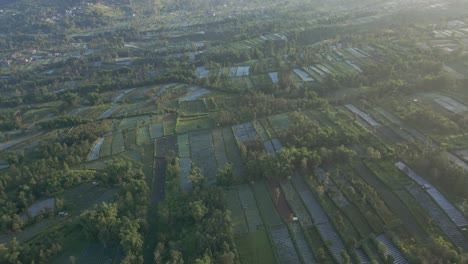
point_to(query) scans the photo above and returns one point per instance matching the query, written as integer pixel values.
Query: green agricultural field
(106, 148)
(191, 107)
(183, 145)
(266, 204)
(169, 127)
(118, 143)
(255, 248)
(187, 124)
(143, 135)
(279, 122)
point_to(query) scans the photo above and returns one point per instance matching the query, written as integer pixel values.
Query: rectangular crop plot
(255, 247)
(130, 139)
(303, 247)
(239, 223)
(97, 148)
(219, 148)
(143, 135)
(451, 104)
(296, 204)
(249, 205)
(438, 197)
(241, 133)
(166, 146)
(156, 130)
(283, 244)
(315, 209)
(232, 151)
(185, 167)
(118, 143)
(363, 115)
(251, 132)
(303, 75)
(392, 250)
(183, 145)
(243, 71)
(202, 154)
(279, 122)
(269, 212)
(260, 131)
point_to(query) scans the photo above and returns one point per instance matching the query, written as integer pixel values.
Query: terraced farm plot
(279, 200)
(249, 205)
(219, 148)
(130, 122)
(130, 138)
(232, 151)
(303, 75)
(239, 223)
(451, 104)
(106, 149)
(274, 77)
(392, 250)
(438, 197)
(260, 131)
(194, 94)
(156, 130)
(302, 246)
(202, 154)
(363, 115)
(143, 135)
(188, 124)
(183, 145)
(240, 133)
(267, 208)
(157, 189)
(190, 107)
(255, 247)
(283, 244)
(442, 220)
(118, 143)
(169, 127)
(185, 168)
(166, 146)
(94, 155)
(324, 227)
(296, 204)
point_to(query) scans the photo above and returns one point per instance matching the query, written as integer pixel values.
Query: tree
(346, 259)
(101, 223)
(198, 210)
